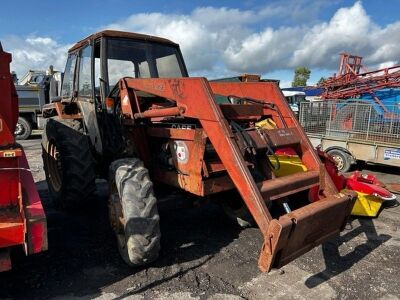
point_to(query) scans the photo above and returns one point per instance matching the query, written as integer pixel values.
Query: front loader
(129, 112)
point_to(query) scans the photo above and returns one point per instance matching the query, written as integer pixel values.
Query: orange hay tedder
(22, 219)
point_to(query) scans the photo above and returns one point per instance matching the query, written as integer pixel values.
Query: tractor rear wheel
(133, 212)
(68, 163)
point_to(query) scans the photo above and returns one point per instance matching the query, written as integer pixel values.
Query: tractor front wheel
(133, 212)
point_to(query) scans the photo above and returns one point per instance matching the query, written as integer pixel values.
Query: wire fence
(351, 120)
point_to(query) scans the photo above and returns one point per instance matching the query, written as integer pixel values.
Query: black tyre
(23, 129)
(133, 212)
(342, 159)
(68, 163)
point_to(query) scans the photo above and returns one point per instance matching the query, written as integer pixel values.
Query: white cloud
(34, 53)
(386, 64)
(220, 41)
(211, 37)
(348, 30)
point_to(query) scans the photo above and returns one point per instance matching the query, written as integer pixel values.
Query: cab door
(86, 95)
(68, 87)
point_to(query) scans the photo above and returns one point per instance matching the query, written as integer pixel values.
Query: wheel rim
(339, 162)
(19, 129)
(54, 166)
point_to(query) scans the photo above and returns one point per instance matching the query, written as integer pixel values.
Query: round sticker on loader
(182, 152)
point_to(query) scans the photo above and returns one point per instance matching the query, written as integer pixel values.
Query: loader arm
(293, 233)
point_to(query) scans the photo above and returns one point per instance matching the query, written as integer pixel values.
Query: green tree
(301, 75)
(321, 81)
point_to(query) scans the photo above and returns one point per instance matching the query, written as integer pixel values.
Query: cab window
(67, 88)
(85, 73)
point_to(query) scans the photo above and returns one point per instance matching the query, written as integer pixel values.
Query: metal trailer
(353, 130)
(34, 90)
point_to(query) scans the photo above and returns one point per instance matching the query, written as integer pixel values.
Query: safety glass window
(67, 88)
(85, 73)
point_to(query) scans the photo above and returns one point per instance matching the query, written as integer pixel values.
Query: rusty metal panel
(120, 34)
(216, 127)
(282, 137)
(217, 185)
(214, 166)
(305, 228)
(242, 111)
(284, 186)
(171, 133)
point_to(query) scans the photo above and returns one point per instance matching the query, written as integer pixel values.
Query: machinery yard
(170, 159)
(204, 255)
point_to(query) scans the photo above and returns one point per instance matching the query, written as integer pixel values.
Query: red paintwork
(9, 101)
(351, 82)
(22, 218)
(363, 183)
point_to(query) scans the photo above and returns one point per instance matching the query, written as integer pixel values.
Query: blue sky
(218, 38)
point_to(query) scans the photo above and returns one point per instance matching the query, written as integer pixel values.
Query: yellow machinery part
(366, 205)
(288, 164)
(266, 124)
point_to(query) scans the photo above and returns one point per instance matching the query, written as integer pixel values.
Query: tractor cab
(96, 63)
(108, 56)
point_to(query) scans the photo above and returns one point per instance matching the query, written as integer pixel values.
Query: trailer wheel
(23, 130)
(133, 212)
(342, 159)
(68, 163)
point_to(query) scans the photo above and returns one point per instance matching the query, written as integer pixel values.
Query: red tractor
(22, 218)
(128, 112)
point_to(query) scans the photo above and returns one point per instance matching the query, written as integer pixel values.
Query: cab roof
(121, 34)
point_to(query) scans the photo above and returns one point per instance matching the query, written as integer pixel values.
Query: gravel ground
(204, 256)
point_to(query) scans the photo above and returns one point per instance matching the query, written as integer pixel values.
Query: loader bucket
(301, 230)
(201, 127)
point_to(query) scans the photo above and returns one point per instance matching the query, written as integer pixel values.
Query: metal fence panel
(351, 120)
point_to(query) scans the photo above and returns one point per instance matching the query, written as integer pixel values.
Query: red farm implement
(22, 219)
(353, 80)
